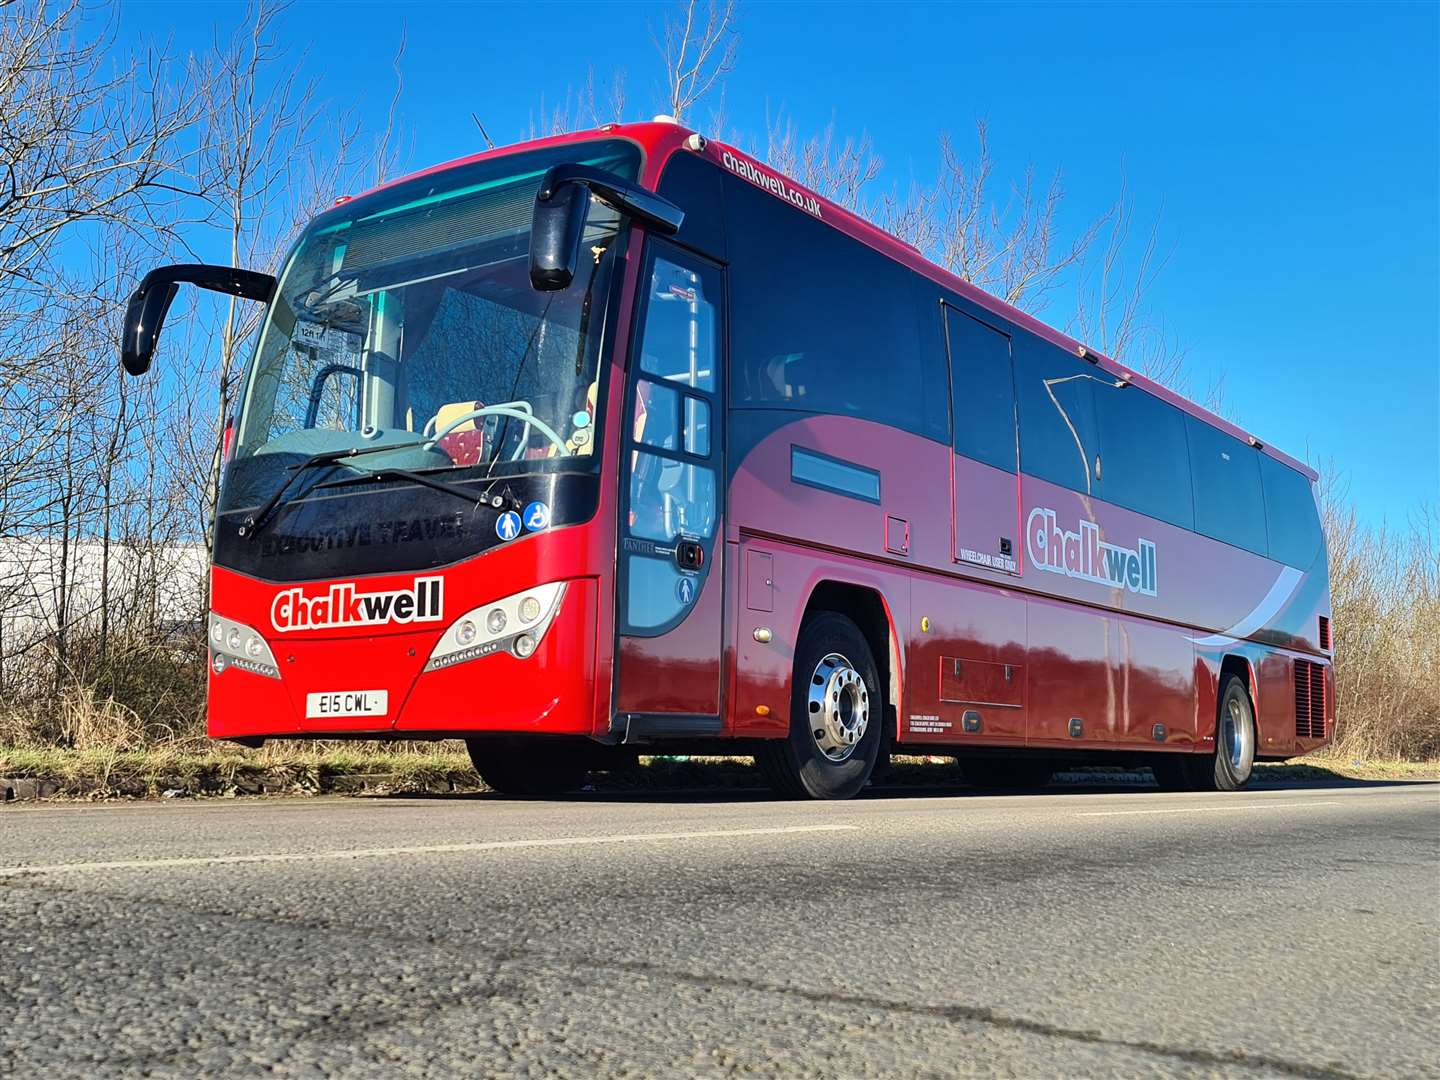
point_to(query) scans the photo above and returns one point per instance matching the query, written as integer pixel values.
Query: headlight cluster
(516, 623)
(234, 644)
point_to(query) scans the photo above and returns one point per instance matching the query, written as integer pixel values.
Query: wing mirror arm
(561, 206)
(150, 303)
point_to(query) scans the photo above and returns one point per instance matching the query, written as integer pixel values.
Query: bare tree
(1010, 246)
(386, 156)
(83, 142)
(842, 170)
(698, 48)
(270, 163)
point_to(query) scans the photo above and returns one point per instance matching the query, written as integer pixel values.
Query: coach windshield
(408, 318)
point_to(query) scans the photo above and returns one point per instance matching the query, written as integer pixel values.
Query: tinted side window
(1290, 514)
(1058, 438)
(1144, 456)
(1229, 504)
(693, 184)
(984, 390)
(822, 324)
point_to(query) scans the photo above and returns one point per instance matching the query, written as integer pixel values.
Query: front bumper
(553, 691)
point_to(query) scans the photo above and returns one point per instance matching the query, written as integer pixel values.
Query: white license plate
(347, 703)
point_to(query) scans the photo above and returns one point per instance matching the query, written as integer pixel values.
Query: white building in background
(164, 583)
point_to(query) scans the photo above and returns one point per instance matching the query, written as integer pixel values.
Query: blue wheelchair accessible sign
(537, 516)
(507, 525)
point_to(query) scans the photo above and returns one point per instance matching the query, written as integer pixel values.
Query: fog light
(524, 646)
(495, 621)
(254, 646)
(529, 609)
(218, 663)
(232, 640)
(465, 632)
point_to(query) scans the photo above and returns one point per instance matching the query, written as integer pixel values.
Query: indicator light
(529, 609)
(217, 632)
(762, 710)
(466, 631)
(495, 621)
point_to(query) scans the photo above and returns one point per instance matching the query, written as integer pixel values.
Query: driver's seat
(466, 444)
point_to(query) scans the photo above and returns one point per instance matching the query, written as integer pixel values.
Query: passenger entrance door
(987, 494)
(670, 604)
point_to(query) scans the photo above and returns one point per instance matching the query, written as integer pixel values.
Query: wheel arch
(868, 609)
(1244, 667)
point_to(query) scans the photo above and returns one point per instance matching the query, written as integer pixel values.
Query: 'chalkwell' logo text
(1085, 556)
(345, 605)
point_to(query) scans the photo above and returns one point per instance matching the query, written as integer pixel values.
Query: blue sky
(1292, 153)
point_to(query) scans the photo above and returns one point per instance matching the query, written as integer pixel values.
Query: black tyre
(837, 713)
(1229, 768)
(1234, 738)
(530, 767)
(1006, 774)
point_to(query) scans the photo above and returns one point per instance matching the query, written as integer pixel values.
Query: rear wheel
(1234, 737)
(531, 767)
(1002, 774)
(836, 715)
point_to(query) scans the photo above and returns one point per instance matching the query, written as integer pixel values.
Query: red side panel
(678, 672)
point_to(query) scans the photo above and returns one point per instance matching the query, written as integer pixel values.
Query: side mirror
(144, 316)
(149, 304)
(562, 204)
(556, 231)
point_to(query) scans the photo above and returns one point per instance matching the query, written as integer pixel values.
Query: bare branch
(697, 55)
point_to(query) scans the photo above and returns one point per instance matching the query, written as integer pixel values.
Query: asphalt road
(1279, 933)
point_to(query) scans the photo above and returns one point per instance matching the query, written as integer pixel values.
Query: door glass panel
(673, 490)
(670, 498)
(697, 427)
(679, 341)
(658, 592)
(657, 415)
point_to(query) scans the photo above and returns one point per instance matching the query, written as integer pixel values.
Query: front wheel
(836, 715)
(537, 768)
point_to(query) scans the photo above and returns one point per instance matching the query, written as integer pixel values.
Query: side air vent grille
(1324, 633)
(1309, 700)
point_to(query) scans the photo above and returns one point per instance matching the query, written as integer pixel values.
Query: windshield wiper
(254, 522)
(382, 475)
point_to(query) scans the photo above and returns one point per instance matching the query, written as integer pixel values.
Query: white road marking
(422, 849)
(1206, 809)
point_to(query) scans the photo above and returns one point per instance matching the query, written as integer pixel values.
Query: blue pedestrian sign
(507, 525)
(537, 516)
(685, 591)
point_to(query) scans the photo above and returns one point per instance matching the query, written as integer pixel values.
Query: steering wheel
(529, 419)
